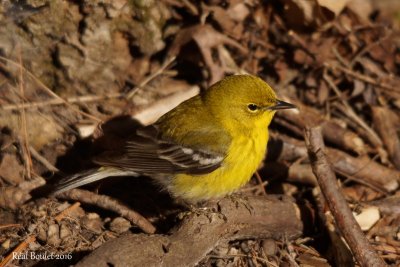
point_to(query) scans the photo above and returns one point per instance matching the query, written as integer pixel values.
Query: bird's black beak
(281, 105)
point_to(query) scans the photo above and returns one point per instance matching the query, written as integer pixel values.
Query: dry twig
(385, 125)
(42, 160)
(49, 91)
(10, 225)
(58, 101)
(363, 251)
(149, 78)
(67, 211)
(23, 245)
(363, 78)
(24, 133)
(108, 203)
(361, 169)
(332, 131)
(373, 138)
(260, 183)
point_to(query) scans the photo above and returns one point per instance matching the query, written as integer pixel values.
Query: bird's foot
(207, 209)
(239, 199)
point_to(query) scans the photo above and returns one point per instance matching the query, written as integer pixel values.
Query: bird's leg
(207, 208)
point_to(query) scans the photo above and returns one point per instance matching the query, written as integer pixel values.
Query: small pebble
(93, 223)
(120, 225)
(53, 235)
(65, 231)
(6, 244)
(269, 247)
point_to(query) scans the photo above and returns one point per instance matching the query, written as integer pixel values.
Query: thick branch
(267, 217)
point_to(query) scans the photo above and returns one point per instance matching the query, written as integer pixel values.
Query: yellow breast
(244, 156)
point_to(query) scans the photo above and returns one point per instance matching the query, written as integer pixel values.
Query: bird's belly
(242, 161)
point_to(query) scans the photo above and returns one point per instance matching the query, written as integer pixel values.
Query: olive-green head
(243, 100)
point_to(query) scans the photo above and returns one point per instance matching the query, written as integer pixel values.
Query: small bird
(207, 147)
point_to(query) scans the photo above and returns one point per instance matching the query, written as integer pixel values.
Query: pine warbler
(205, 148)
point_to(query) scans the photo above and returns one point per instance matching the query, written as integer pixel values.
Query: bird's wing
(148, 153)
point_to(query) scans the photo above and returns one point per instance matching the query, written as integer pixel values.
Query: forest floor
(77, 76)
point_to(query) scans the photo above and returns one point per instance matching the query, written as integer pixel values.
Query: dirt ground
(77, 77)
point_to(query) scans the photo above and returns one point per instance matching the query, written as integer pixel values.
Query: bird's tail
(88, 177)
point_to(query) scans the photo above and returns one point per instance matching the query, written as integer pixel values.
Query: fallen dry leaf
(11, 169)
(206, 38)
(305, 13)
(367, 218)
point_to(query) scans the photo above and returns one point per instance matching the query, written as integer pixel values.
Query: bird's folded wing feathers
(148, 153)
(87, 177)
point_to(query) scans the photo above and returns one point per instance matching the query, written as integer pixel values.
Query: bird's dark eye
(252, 107)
